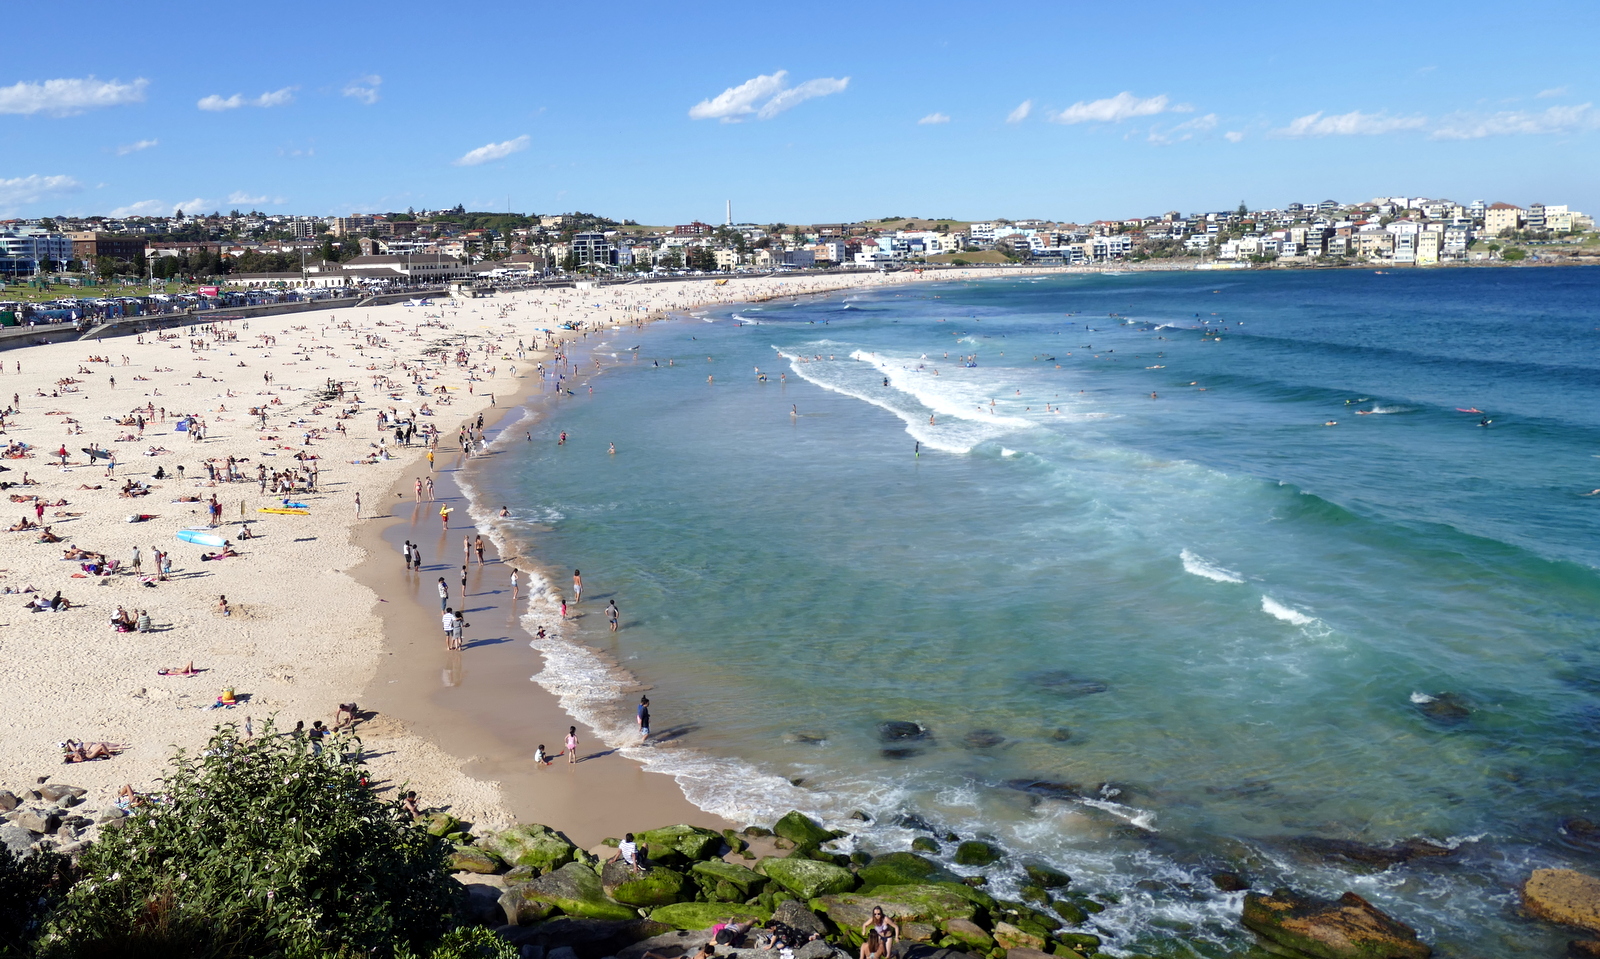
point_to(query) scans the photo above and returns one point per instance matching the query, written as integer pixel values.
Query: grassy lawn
(21, 292)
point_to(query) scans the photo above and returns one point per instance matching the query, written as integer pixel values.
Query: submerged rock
(982, 739)
(1292, 924)
(901, 731)
(1064, 684)
(1045, 788)
(1563, 896)
(1229, 882)
(1349, 852)
(1445, 709)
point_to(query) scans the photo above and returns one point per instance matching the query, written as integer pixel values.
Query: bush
(471, 942)
(1513, 254)
(259, 848)
(29, 889)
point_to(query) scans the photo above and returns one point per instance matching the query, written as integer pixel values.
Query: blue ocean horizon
(1178, 573)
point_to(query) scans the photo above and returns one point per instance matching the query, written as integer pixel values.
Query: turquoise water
(1211, 623)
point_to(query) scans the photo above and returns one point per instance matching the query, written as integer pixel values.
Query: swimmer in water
(1331, 423)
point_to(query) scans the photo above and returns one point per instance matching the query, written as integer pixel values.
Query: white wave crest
(1276, 609)
(1199, 566)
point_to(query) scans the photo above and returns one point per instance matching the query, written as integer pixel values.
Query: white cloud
(241, 198)
(1021, 112)
(65, 98)
(1354, 123)
(142, 208)
(275, 98)
(1185, 130)
(364, 88)
(196, 206)
(1552, 92)
(128, 148)
(793, 97)
(1233, 136)
(1115, 109)
(33, 188)
(493, 151)
(933, 118)
(770, 91)
(1515, 122)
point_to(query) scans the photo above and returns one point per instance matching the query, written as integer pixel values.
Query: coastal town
(240, 251)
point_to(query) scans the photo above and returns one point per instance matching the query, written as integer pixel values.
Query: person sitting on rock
(628, 852)
(873, 947)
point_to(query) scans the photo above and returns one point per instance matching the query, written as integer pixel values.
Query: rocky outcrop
(902, 869)
(1563, 896)
(919, 910)
(1295, 925)
(797, 917)
(474, 860)
(679, 845)
(974, 852)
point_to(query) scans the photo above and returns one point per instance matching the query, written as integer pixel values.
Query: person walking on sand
(563, 608)
(577, 587)
(572, 744)
(419, 489)
(448, 620)
(611, 615)
(477, 545)
(642, 714)
(430, 461)
(444, 593)
(358, 504)
(463, 580)
(513, 584)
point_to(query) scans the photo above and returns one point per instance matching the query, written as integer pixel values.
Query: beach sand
(321, 610)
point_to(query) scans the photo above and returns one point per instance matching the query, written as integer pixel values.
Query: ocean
(1177, 572)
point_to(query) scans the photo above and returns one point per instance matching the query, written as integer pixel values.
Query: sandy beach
(319, 607)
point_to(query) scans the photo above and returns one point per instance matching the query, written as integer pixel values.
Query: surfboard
(200, 537)
(287, 512)
(288, 505)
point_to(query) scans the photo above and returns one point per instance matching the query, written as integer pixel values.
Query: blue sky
(799, 113)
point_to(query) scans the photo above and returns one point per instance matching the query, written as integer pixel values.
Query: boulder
(1583, 949)
(1026, 953)
(440, 823)
(797, 917)
(1070, 911)
(475, 860)
(1347, 928)
(925, 844)
(1011, 937)
(1046, 877)
(1229, 882)
(969, 935)
(735, 844)
(982, 739)
(1445, 709)
(1080, 942)
(902, 869)
(1563, 896)
(902, 731)
(655, 886)
(483, 905)
(539, 847)
(576, 891)
(1364, 856)
(520, 910)
(42, 819)
(975, 852)
(704, 915)
(680, 942)
(808, 878)
(61, 793)
(8, 800)
(726, 881)
(16, 839)
(690, 842)
(801, 830)
(111, 814)
(818, 949)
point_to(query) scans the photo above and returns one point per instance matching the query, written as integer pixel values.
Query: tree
(105, 266)
(1243, 210)
(259, 847)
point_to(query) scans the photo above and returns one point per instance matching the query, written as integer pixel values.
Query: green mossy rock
(734, 842)
(1080, 942)
(691, 842)
(925, 844)
(1070, 911)
(1046, 877)
(1035, 894)
(522, 911)
(902, 869)
(656, 886)
(538, 847)
(801, 830)
(757, 832)
(704, 915)
(935, 905)
(1012, 937)
(440, 823)
(975, 852)
(969, 936)
(472, 859)
(1349, 927)
(576, 891)
(807, 878)
(727, 882)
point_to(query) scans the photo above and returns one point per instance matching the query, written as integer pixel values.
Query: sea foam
(1276, 609)
(1199, 566)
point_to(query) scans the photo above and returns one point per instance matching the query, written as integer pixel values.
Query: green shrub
(29, 889)
(259, 848)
